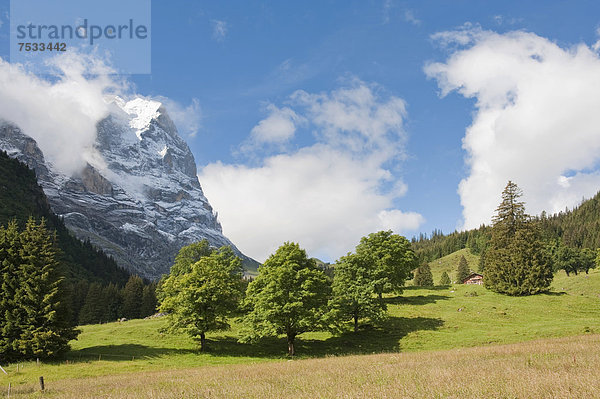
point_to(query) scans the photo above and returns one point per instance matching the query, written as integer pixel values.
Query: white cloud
(188, 119)
(278, 127)
(325, 195)
(409, 16)
(61, 115)
(220, 29)
(536, 122)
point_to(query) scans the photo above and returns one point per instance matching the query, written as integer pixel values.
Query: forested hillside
(22, 197)
(576, 228)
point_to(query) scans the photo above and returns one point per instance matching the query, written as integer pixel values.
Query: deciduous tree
(391, 258)
(354, 297)
(201, 300)
(289, 296)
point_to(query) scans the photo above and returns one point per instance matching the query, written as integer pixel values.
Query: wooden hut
(473, 278)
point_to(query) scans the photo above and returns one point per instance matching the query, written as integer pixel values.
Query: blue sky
(227, 66)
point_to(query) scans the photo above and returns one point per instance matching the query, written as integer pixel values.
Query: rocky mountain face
(138, 197)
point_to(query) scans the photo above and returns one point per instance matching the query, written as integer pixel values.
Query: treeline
(95, 303)
(291, 295)
(578, 228)
(437, 245)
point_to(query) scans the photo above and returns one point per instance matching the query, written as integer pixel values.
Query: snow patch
(142, 111)
(163, 152)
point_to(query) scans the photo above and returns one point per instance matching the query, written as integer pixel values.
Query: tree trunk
(380, 295)
(291, 351)
(355, 323)
(202, 342)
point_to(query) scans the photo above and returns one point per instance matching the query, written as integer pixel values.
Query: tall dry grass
(551, 368)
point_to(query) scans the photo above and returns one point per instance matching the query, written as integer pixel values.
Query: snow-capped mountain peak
(139, 198)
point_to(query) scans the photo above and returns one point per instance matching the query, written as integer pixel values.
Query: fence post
(42, 383)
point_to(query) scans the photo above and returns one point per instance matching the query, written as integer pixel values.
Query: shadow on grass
(554, 293)
(123, 352)
(369, 339)
(434, 288)
(415, 300)
(383, 338)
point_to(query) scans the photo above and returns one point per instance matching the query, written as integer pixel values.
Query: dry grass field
(551, 368)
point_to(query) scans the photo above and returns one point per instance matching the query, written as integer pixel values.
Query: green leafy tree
(516, 260)
(132, 294)
(41, 311)
(391, 257)
(423, 276)
(463, 271)
(289, 296)
(202, 299)
(445, 279)
(189, 255)
(354, 295)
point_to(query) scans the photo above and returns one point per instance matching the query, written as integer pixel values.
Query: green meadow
(440, 318)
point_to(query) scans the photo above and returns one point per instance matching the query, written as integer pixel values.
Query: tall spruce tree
(423, 276)
(463, 271)
(41, 306)
(445, 279)
(93, 310)
(10, 261)
(132, 294)
(516, 260)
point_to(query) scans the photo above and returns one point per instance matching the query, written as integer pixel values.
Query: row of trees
(291, 294)
(98, 303)
(34, 310)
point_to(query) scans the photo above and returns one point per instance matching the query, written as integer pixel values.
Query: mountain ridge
(138, 197)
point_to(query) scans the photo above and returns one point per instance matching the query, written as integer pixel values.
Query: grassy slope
(449, 264)
(422, 319)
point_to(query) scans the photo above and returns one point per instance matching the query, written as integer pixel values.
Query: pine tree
(516, 260)
(445, 279)
(149, 302)
(41, 307)
(463, 271)
(93, 310)
(10, 328)
(113, 303)
(423, 276)
(132, 294)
